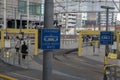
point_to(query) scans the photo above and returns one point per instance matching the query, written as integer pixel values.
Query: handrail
(5, 77)
(16, 58)
(110, 65)
(27, 55)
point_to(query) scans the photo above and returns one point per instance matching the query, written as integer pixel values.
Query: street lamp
(107, 14)
(107, 46)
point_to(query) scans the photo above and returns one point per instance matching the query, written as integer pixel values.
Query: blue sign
(50, 39)
(106, 38)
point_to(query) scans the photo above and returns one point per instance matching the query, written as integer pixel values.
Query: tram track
(82, 68)
(65, 67)
(75, 67)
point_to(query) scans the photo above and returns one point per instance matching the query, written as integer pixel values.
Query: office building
(18, 10)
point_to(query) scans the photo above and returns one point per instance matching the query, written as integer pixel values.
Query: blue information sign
(50, 39)
(106, 38)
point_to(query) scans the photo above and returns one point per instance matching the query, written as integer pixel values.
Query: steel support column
(47, 55)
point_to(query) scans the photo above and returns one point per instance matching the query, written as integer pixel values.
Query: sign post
(106, 44)
(47, 55)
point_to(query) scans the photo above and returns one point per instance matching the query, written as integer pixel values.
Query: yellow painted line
(23, 76)
(7, 77)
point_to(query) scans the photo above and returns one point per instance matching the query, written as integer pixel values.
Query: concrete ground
(65, 66)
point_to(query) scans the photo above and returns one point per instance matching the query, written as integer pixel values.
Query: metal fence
(11, 57)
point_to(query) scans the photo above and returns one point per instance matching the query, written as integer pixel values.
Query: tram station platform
(66, 66)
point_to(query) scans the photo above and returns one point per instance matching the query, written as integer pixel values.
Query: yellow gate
(29, 34)
(118, 43)
(85, 32)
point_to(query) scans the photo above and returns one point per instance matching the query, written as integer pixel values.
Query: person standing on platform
(17, 46)
(24, 51)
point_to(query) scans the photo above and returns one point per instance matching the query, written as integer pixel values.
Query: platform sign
(106, 38)
(50, 39)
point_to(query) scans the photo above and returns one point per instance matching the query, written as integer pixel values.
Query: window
(35, 8)
(22, 6)
(42, 9)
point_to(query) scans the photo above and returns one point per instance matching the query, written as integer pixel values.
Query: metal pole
(5, 15)
(15, 19)
(106, 46)
(99, 23)
(40, 16)
(107, 17)
(47, 55)
(115, 30)
(66, 14)
(19, 55)
(40, 21)
(115, 24)
(79, 14)
(56, 20)
(115, 27)
(112, 22)
(20, 22)
(66, 20)
(27, 14)
(5, 18)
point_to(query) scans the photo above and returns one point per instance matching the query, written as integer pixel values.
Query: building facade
(18, 10)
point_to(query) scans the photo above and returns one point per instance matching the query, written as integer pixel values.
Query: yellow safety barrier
(118, 43)
(110, 65)
(95, 43)
(85, 32)
(107, 69)
(7, 77)
(105, 60)
(17, 32)
(118, 69)
(7, 54)
(0, 45)
(112, 56)
(27, 55)
(90, 32)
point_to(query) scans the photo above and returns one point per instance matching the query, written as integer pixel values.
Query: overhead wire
(116, 5)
